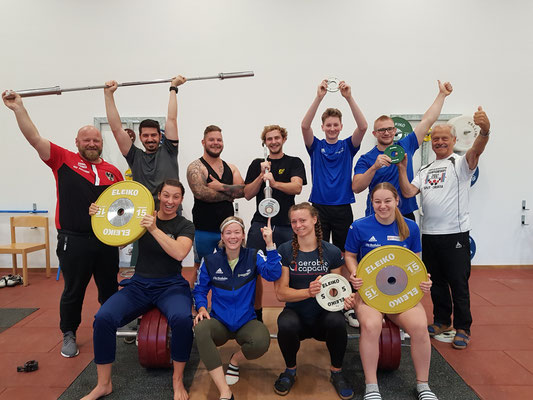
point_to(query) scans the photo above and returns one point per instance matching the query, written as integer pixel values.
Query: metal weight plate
(395, 152)
(391, 279)
(333, 84)
(121, 208)
(334, 289)
(472, 247)
(153, 340)
(403, 128)
(475, 177)
(268, 207)
(390, 346)
(445, 337)
(466, 132)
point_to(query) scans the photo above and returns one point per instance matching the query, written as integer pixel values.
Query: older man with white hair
(444, 186)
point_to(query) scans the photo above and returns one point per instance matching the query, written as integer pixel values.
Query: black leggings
(328, 326)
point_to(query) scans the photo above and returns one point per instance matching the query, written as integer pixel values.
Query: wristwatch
(173, 88)
(484, 135)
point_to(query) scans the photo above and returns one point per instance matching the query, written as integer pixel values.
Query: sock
(422, 386)
(232, 374)
(371, 387)
(259, 314)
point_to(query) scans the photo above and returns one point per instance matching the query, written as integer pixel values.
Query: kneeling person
(157, 283)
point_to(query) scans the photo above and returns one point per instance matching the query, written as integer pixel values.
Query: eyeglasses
(390, 129)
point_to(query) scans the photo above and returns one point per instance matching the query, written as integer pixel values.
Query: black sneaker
(344, 391)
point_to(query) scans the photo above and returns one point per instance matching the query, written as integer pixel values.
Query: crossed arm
(209, 192)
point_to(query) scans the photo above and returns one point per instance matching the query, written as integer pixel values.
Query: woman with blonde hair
(230, 274)
(385, 227)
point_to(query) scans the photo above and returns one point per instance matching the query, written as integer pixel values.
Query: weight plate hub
(268, 207)
(403, 128)
(121, 208)
(466, 132)
(333, 84)
(335, 288)
(391, 279)
(395, 152)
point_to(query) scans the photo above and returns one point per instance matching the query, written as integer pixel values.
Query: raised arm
(407, 188)
(472, 155)
(176, 248)
(270, 266)
(307, 131)
(433, 112)
(26, 125)
(198, 184)
(171, 126)
(113, 118)
(362, 125)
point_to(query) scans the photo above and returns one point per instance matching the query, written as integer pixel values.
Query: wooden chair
(15, 248)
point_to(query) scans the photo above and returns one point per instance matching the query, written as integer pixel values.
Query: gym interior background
(390, 52)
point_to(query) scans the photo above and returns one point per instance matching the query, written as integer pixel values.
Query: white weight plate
(335, 288)
(466, 132)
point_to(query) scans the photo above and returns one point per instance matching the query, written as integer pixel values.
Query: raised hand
(481, 119)
(445, 88)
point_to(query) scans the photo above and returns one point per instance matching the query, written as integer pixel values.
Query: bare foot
(99, 391)
(179, 391)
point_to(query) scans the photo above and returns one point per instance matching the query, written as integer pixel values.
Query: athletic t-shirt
(367, 234)
(78, 184)
(305, 269)
(331, 170)
(150, 169)
(444, 187)
(153, 261)
(283, 169)
(389, 174)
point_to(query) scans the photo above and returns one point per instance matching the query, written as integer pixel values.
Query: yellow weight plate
(391, 279)
(121, 208)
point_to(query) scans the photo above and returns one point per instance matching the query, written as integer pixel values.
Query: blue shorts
(205, 243)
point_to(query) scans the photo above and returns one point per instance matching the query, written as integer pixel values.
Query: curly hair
(318, 231)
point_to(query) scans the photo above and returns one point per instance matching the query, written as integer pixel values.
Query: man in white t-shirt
(444, 187)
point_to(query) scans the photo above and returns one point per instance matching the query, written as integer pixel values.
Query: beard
(90, 154)
(212, 154)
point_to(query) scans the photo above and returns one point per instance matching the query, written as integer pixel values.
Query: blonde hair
(270, 128)
(403, 229)
(231, 219)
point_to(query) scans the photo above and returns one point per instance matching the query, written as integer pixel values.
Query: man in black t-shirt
(286, 175)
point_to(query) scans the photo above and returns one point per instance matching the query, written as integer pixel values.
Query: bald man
(80, 178)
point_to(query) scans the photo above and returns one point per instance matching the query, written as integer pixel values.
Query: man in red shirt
(80, 178)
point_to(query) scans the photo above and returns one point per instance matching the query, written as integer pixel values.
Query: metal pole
(57, 90)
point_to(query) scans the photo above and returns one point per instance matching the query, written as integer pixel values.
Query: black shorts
(335, 221)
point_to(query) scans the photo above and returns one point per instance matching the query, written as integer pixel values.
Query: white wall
(391, 52)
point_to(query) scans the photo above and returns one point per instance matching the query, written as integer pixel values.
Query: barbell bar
(57, 90)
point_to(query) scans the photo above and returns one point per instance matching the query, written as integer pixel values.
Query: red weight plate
(396, 345)
(148, 345)
(385, 355)
(163, 344)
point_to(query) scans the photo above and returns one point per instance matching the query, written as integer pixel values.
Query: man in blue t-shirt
(331, 164)
(375, 167)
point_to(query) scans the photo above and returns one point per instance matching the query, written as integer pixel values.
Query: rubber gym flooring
(498, 363)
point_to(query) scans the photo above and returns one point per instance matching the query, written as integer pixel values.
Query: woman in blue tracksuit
(231, 274)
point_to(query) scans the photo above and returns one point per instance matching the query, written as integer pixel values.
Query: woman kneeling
(231, 275)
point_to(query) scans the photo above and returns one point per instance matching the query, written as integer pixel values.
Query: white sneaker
(351, 318)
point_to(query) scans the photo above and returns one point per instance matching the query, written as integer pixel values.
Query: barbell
(57, 90)
(153, 342)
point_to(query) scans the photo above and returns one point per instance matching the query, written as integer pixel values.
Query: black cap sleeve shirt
(153, 261)
(304, 270)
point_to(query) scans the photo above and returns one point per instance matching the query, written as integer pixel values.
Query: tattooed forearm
(235, 191)
(198, 184)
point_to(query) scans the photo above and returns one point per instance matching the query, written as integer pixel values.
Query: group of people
(291, 249)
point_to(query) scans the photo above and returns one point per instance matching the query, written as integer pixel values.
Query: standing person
(386, 227)
(157, 282)
(286, 176)
(305, 259)
(230, 275)
(375, 167)
(444, 186)
(80, 178)
(214, 184)
(331, 164)
(157, 162)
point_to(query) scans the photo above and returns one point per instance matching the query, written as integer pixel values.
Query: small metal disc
(333, 84)
(335, 288)
(395, 152)
(268, 207)
(391, 280)
(120, 212)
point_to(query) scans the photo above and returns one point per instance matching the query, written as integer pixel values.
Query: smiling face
(332, 128)
(89, 143)
(213, 143)
(150, 138)
(274, 141)
(384, 131)
(384, 203)
(170, 198)
(232, 236)
(442, 141)
(303, 223)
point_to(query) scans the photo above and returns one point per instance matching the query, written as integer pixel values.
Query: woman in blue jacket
(231, 274)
